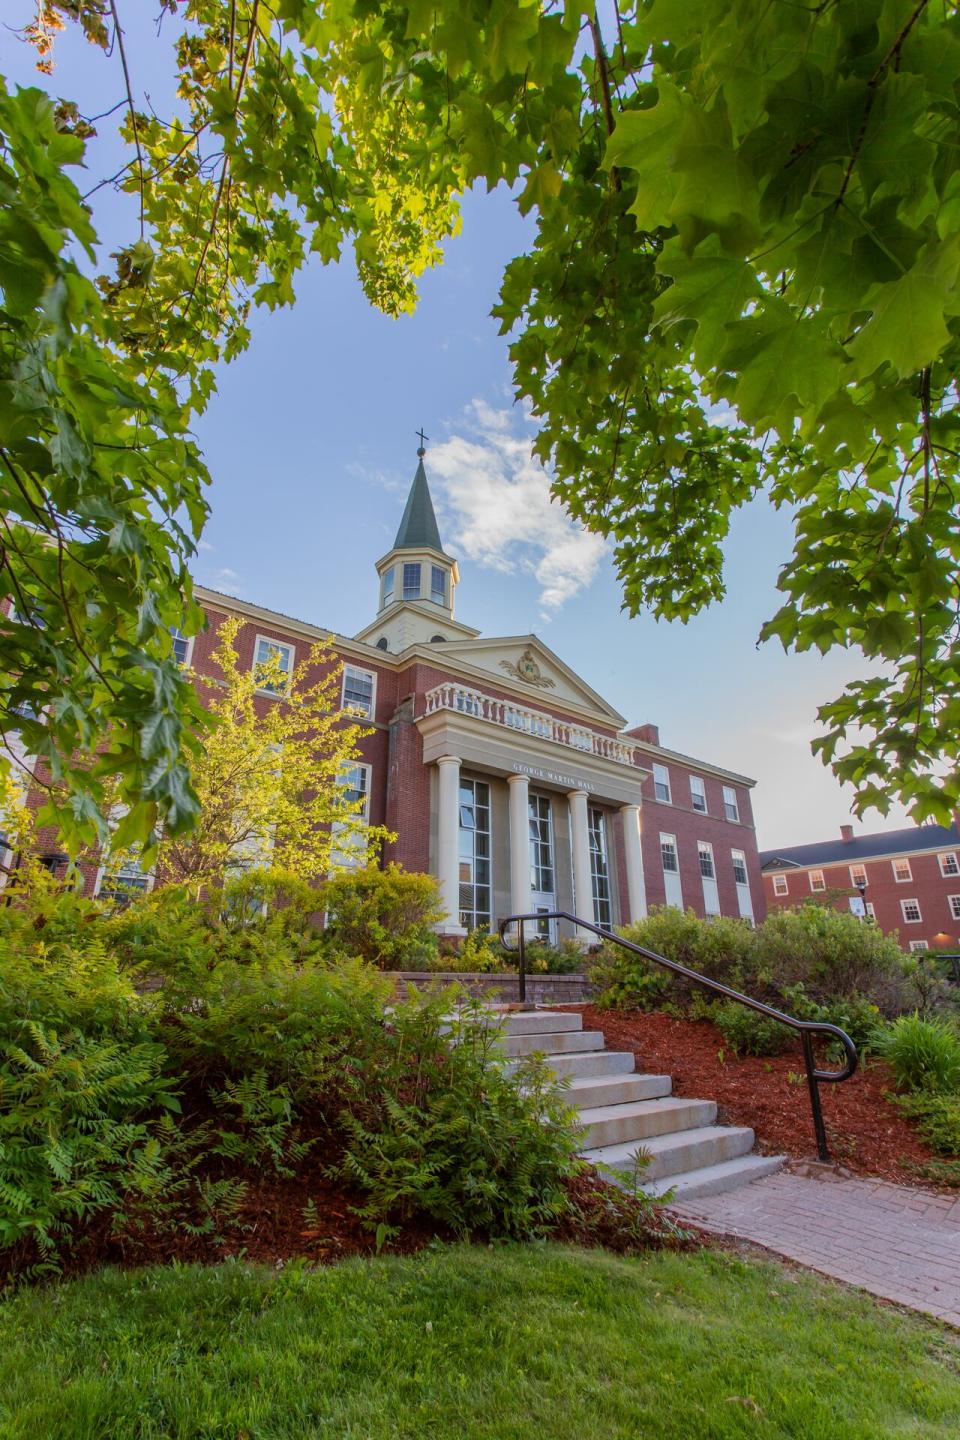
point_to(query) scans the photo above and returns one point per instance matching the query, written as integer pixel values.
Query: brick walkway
(897, 1242)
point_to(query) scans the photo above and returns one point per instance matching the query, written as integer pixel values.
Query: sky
(312, 447)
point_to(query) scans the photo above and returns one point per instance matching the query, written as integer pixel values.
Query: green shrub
(749, 1033)
(479, 953)
(566, 957)
(437, 1129)
(937, 1118)
(923, 1054)
(834, 954)
(385, 917)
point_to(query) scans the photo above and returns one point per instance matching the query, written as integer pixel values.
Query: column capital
(449, 760)
(511, 779)
(626, 809)
(571, 794)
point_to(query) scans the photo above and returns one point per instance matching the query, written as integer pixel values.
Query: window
(411, 582)
(265, 653)
(730, 808)
(740, 868)
(668, 854)
(474, 855)
(871, 913)
(954, 906)
(780, 886)
(182, 646)
(438, 585)
(698, 794)
(350, 849)
(858, 874)
(816, 880)
(389, 586)
(600, 870)
(902, 872)
(911, 911)
(359, 689)
(661, 783)
(919, 945)
(705, 852)
(541, 846)
(948, 864)
(122, 877)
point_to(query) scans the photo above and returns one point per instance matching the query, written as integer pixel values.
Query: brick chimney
(846, 832)
(649, 734)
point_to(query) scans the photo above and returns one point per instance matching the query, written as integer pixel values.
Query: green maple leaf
(907, 329)
(711, 290)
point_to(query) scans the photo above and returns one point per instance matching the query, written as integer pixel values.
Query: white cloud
(498, 511)
(227, 581)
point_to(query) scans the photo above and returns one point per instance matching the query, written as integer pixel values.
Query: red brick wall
(937, 925)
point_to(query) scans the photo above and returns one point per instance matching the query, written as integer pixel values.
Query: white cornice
(697, 766)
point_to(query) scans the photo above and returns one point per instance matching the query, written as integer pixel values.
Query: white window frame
(781, 886)
(343, 856)
(696, 795)
(911, 919)
(730, 802)
(902, 879)
(954, 902)
(386, 599)
(411, 565)
(871, 911)
(949, 855)
(177, 633)
(103, 870)
(672, 839)
(816, 889)
(276, 645)
(919, 944)
(856, 870)
(705, 850)
(742, 856)
(439, 570)
(371, 675)
(661, 776)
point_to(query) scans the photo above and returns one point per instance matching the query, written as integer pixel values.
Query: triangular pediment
(524, 664)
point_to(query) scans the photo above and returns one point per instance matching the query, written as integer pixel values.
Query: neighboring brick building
(911, 879)
(500, 770)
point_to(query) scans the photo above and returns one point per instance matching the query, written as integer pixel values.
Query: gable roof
(418, 524)
(484, 657)
(914, 839)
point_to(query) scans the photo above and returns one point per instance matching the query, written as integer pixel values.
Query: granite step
(677, 1153)
(538, 1022)
(554, 1042)
(590, 1062)
(716, 1179)
(591, 1090)
(610, 1125)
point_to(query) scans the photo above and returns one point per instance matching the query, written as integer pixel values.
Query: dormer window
(389, 583)
(438, 585)
(411, 582)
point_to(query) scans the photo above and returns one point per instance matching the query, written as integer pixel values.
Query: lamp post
(862, 887)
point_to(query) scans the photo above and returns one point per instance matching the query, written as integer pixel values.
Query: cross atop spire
(423, 440)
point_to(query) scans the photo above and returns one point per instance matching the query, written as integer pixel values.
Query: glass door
(542, 870)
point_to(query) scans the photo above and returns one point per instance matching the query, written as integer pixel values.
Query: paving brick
(896, 1242)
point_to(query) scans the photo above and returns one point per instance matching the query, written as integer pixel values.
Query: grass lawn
(510, 1343)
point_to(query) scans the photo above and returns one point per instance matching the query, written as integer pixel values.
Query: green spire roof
(419, 524)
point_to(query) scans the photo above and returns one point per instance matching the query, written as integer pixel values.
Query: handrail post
(522, 970)
(818, 1126)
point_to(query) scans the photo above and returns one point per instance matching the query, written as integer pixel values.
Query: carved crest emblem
(527, 670)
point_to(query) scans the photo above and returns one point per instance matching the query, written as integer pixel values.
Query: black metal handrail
(806, 1028)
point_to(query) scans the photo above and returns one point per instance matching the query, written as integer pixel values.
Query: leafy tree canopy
(744, 279)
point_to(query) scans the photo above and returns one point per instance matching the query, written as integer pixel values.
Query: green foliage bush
(814, 963)
(937, 1117)
(151, 1062)
(749, 1033)
(385, 917)
(478, 953)
(924, 1055)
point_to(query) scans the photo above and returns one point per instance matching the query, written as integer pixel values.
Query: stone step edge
(715, 1179)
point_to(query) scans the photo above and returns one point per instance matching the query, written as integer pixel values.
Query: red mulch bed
(866, 1133)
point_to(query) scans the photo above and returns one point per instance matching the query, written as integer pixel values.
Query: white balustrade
(465, 701)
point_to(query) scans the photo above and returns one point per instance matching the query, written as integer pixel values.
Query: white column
(580, 847)
(448, 838)
(520, 901)
(636, 889)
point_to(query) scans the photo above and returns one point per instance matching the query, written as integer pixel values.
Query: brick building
(908, 880)
(501, 771)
